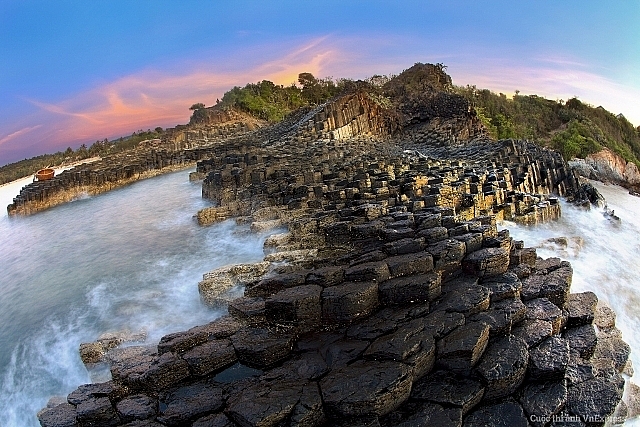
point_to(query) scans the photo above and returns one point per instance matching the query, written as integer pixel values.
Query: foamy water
(604, 255)
(129, 259)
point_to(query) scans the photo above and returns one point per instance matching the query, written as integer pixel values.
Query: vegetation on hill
(573, 128)
(102, 148)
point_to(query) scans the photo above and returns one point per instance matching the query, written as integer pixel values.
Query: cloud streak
(18, 133)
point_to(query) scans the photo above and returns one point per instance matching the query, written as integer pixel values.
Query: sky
(73, 72)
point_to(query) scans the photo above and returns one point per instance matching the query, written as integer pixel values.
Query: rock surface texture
(393, 300)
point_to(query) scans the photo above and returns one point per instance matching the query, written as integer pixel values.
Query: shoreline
(58, 169)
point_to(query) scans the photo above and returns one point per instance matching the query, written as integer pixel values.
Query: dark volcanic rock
(410, 289)
(550, 359)
(487, 262)
(581, 308)
(264, 403)
(502, 286)
(507, 414)
(447, 253)
(594, 400)
(462, 348)
(578, 369)
(554, 286)
(248, 309)
(404, 265)
(541, 401)
(441, 323)
(136, 407)
(179, 342)
(261, 347)
(448, 389)
(326, 276)
(210, 357)
(298, 307)
(368, 272)
(543, 309)
(214, 420)
(582, 339)
(167, 371)
(98, 412)
(342, 352)
(349, 301)
(503, 366)
(365, 388)
(501, 316)
(464, 297)
(424, 414)
(533, 331)
(189, 403)
(63, 415)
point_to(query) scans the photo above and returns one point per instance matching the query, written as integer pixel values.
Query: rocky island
(390, 299)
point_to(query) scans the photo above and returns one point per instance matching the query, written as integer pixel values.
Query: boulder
(505, 414)
(368, 272)
(298, 307)
(543, 309)
(582, 339)
(550, 359)
(137, 407)
(542, 401)
(63, 415)
(533, 331)
(405, 265)
(595, 399)
(581, 308)
(188, 403)
(248, 309)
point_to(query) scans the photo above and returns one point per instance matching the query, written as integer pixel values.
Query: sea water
(127, 260)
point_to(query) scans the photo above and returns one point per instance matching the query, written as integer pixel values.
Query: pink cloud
(18, 133)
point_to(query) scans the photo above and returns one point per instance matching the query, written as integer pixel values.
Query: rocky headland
(388, 296)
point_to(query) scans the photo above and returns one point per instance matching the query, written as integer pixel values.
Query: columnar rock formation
(392, 300)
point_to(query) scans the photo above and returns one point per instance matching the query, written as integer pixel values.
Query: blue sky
(72, 72)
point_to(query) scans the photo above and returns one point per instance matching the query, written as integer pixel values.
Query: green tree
(197, 106)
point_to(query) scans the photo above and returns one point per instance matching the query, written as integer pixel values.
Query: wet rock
(434, 234)
(63, 415)
(349, 301)
(613, 349)
(222, 279)
(372, 327)
(507, 414)
(487, 262)
(404, 246)
(543, 309)
(502, 286)
(501, 316)
(180, 342)
(582, 339)
(411, 344)
(441, 324)
(263, 403)
(410, 289)
(447, 253)
(472, 241)
(462, 348)
(367, 272)
(541, 401)
(554, 286)
(533, 332)
(424, 414)
(604, 317)
(594, 400)
(261, 347)
(503, 366)
(448, 389)
(189, 403)
(523, 256)
(326, 276)
(581, 308)
(91, 391)
(578, 370)
(298, 307)
(248, 309)
(130, 364)
(270, 285)
(365, 388)
(464, 296)
(143, 423)
(210, 357)
(309, 411)
(214, 420)
(136, 407)
(98, 412)
(342, 352)
(166, 371)
(404, 265)
(550, 359)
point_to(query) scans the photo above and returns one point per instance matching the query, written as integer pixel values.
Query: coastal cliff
(392, 299)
